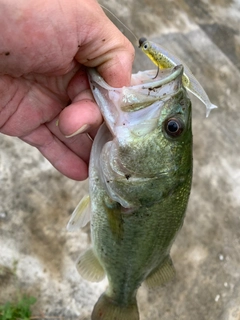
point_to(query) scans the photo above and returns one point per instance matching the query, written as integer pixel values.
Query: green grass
(20, 307)
(17, 311)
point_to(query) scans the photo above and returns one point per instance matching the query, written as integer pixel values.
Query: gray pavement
(38, 256)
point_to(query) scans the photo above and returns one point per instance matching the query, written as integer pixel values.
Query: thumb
(104, 47)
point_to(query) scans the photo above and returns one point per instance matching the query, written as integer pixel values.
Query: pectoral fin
(162, 274)
(89, 267)
(81, 215)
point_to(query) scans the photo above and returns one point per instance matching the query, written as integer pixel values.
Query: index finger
(104, 47)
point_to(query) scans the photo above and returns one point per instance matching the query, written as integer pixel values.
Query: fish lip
(176, 72)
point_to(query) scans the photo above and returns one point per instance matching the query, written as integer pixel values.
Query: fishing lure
(164, 59)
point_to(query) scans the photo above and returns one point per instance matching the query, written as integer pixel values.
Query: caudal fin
(107, 309)
(210, 106)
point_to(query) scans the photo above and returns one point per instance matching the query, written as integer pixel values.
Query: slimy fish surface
(139, 184)
(164, 59)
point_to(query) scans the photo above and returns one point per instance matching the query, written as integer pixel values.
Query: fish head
(149, 127)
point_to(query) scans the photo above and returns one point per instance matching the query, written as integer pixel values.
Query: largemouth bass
(164, 59)
(140, 180)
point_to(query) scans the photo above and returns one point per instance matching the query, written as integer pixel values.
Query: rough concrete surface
(37, 254)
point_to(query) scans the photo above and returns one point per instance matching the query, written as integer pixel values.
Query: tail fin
(107, 309)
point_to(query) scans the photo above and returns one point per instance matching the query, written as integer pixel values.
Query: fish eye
(174, 127)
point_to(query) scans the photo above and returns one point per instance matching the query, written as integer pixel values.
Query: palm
(44, 46)
(32, 105)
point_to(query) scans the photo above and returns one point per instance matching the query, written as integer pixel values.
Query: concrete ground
(37, 254)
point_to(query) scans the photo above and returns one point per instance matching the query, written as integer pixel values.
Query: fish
(140, 176)
(164, 59)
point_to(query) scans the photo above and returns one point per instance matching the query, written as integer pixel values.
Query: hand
(45, 49)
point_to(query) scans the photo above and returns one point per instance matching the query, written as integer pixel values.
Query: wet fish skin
(139, 190)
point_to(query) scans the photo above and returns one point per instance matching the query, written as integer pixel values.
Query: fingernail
(80, 130)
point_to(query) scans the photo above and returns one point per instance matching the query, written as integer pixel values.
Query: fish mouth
(146, 93)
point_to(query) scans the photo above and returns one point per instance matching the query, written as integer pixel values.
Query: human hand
(45, 49)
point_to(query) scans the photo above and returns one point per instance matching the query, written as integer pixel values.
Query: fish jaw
(127, 109)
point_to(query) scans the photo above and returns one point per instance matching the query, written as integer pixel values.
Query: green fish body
(140, 180)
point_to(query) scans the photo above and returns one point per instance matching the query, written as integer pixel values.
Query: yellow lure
(164, 59)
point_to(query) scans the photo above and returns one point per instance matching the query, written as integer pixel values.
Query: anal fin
(89, 267)
(162, 274)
